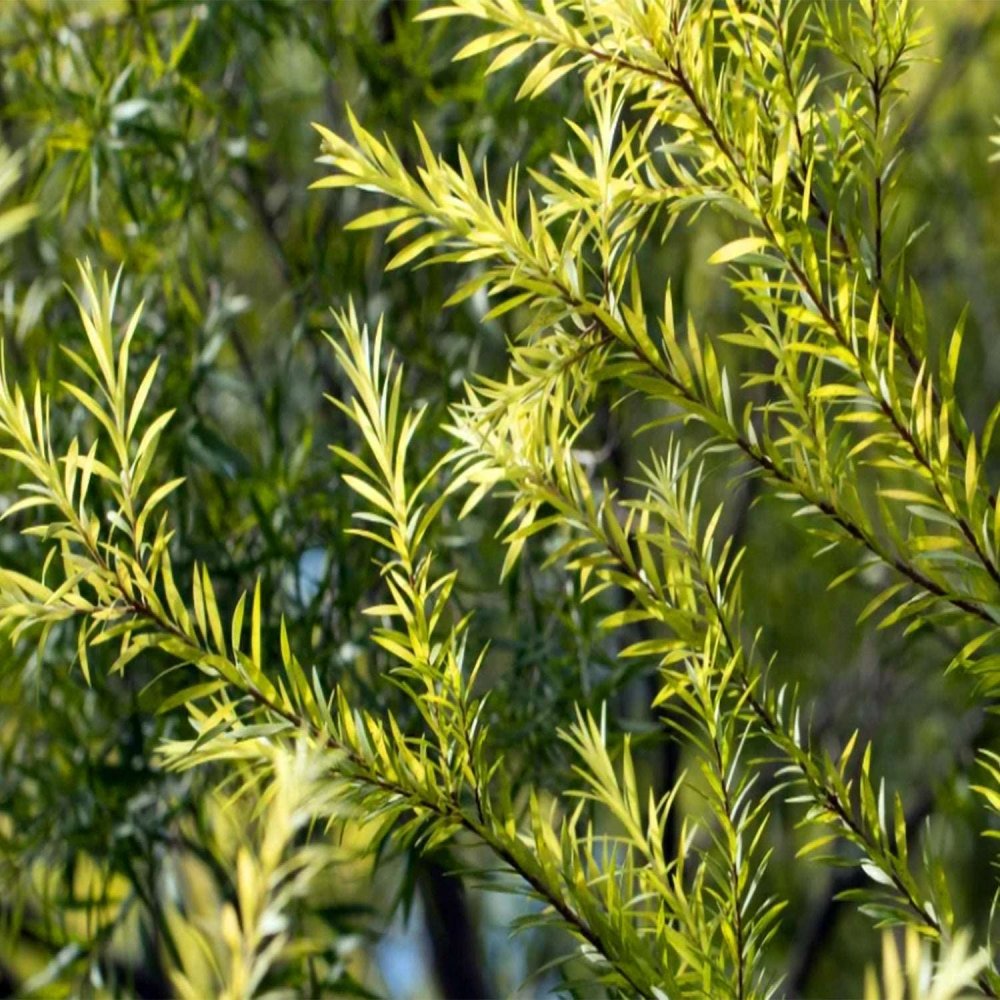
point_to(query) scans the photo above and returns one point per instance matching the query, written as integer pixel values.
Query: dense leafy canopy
(647, 597)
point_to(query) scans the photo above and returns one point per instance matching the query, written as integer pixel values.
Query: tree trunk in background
(458, 958)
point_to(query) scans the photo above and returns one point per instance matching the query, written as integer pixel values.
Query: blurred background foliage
(174, 139)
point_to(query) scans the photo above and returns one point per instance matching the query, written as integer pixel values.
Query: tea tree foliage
(850, 385)
(195, 190)
(831, 388)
